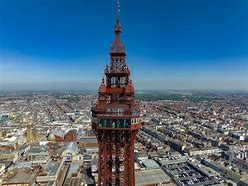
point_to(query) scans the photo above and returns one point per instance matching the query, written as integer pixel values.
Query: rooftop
(37, 150)
(150, 164)
(88, 139)
(186, 174)
(22, 177)
(152, 176)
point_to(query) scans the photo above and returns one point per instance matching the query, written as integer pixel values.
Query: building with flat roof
(150, 164)
(38, 155)
(21, 178)
(243, 181)
(187, 173)
(88, 141)
(152, 177)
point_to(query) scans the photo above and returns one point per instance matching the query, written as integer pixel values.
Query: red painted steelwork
(116, 119)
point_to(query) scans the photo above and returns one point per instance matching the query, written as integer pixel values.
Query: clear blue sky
(170, 44)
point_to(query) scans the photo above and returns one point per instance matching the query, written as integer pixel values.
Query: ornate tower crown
(117, 46)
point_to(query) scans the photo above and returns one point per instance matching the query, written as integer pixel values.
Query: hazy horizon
(94, 87)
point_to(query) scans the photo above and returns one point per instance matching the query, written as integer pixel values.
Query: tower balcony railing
(117, 70)
(102, 112)
(135, 114)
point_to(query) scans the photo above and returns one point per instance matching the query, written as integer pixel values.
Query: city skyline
(170, 44)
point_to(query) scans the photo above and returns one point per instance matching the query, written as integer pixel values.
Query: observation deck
(116, 117)
(122, 71)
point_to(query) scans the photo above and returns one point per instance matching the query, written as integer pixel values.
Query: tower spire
(117, 46)
(118, 28)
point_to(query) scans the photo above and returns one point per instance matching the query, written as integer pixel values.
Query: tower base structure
(116, 157)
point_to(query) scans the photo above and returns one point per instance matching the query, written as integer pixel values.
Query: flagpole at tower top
(118, 9)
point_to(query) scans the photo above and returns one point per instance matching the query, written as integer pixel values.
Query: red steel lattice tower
(116, 119)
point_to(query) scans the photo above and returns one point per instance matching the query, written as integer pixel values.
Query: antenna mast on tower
(118, 9)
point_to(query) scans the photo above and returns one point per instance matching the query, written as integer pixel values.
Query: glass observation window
(115, 111)
(115, 123)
